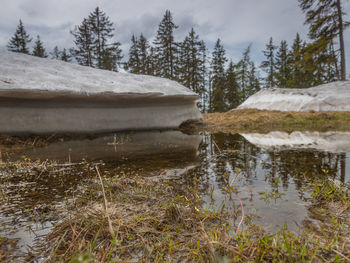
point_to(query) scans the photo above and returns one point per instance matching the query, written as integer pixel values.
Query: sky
(237, 23)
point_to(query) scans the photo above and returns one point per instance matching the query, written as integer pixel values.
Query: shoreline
(253, 120)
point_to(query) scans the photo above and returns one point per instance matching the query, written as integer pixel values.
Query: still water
(269, 172)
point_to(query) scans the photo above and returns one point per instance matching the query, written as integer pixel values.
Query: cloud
(238, 23)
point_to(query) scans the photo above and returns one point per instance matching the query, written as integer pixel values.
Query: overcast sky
(236, 22)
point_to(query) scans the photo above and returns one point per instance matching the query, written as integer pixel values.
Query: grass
(156, 221)
(254, 120)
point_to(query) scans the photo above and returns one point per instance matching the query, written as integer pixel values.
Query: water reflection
(336, 142)
(272, 179)
(272, 171)
(112, 147)
(30, 195)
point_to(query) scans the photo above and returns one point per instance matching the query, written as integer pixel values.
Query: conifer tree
(191, 63)
(143, 50)
(165, 47)
(56, 53)
(253, 81)
(218, 78)
(246, 74)
(283, 65)
(133, 64)
(191, 68)
(243, 72)
(83, 39)
(152, 60)
(296, 78)
(107, 53)
(203, 72)
(39, 50)
(232, 95)
(317, 64)
(94, 47)
(111, 57)
(65, 56)
(325, 20)
(269, 64)
(20, 40)
(61, 55)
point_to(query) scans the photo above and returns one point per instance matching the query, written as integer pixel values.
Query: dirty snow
(333, 96)
(327, 141)
(25, 72)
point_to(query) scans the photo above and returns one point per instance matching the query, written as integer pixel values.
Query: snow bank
(25, 72)
(333, 96)
(328, 141)
(40, 95)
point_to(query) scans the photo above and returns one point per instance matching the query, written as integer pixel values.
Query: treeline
(221, 83)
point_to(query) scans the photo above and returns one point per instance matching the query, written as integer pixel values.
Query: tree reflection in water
(284, 173)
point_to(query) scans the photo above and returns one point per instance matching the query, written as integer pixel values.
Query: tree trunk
(341, 43)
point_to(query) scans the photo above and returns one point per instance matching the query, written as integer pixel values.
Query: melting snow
(25, 72)
(333, 96)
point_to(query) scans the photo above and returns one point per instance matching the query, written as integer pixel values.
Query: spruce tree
(243, 73)
(143, 50)
(165, 47)
(296, 78)
(133, 64)
(268, 65)
(317, 64)
(191, 68)
(20, 40)
(218, 78)
(107, 53)
(191, 63)
(111, 57)
(253, 81)
(39, 50)
(325, 20)
(203, 76)
(65, 56)
(232, 89)
(283, 65)
(247, 78)
(94, 45)
(56, 53)
(152, 61)
(83, 39)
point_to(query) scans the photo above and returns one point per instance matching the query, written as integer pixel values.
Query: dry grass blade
(111, 230)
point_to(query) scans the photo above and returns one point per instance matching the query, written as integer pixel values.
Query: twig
(233, 180)
(216, 145)
(242, 208)
(105, 204)
(340, 254)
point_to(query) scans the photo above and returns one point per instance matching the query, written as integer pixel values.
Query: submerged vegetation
(264, 121)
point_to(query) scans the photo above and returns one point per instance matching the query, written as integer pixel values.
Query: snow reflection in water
(273, 167)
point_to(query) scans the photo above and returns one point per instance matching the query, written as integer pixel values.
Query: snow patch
(25, 72)
(333, 96)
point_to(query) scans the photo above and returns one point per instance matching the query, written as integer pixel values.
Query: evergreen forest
(221, 83)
